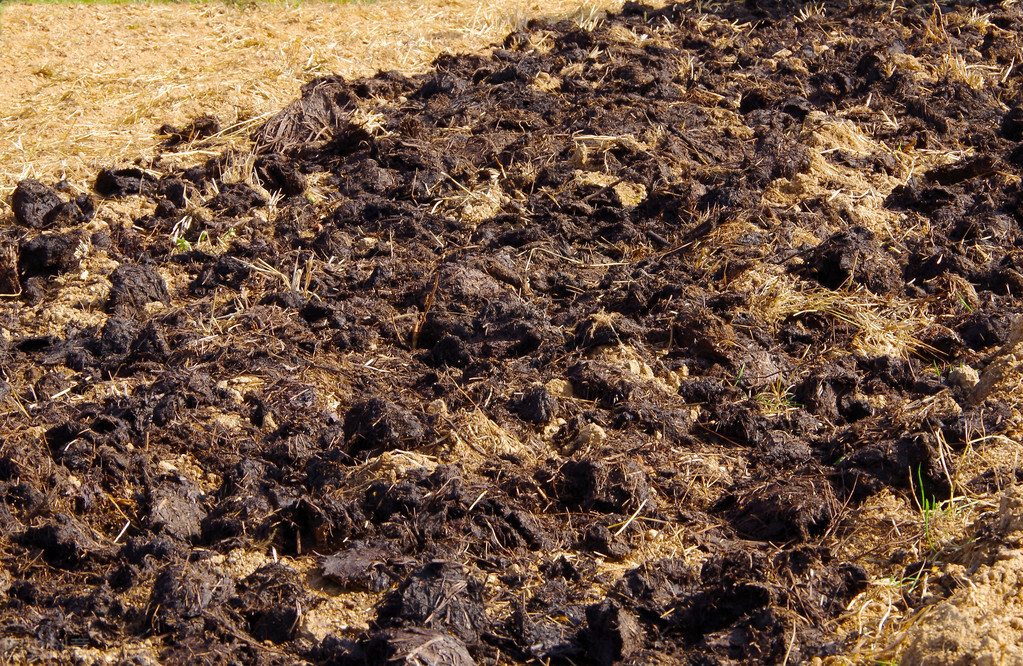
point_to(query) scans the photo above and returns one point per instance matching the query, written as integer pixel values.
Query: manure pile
(644, 341)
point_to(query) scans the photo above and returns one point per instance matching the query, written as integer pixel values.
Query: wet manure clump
(598, 347)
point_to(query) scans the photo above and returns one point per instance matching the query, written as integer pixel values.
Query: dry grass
(883, 326)
(87, 86)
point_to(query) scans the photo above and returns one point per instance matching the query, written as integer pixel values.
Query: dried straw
(87, 86)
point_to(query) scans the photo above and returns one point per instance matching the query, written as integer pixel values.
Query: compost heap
(583, 350)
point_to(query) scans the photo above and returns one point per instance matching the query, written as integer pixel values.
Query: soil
(980, 620)
(593, 348)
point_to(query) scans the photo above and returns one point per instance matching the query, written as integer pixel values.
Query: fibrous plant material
(628, 340)
(72, 105)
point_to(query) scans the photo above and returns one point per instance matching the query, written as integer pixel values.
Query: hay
(87, 86)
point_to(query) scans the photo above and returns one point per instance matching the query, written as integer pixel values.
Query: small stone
(964, 377)
(437, 407)
(559, 388)
(365, 245)
(166, 467)
(590, 434)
